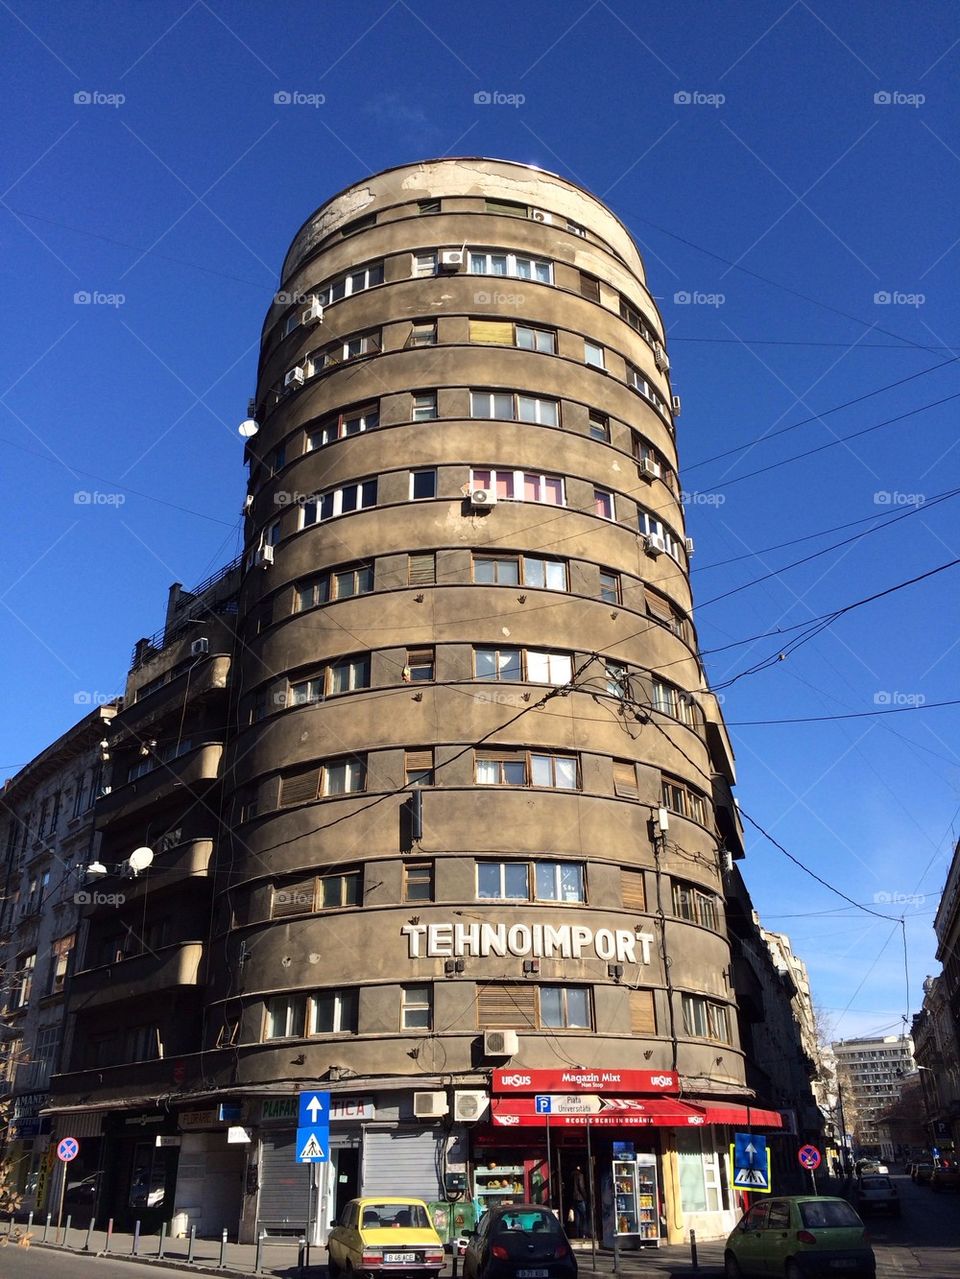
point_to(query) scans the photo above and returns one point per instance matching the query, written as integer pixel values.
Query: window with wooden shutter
(659, 608)
(589, 287)
(421, 569)
(632, 890)
(643, 1018)
(300, 788)
(296, 898)
(492, 332)
(418, 767)
(625, 779)
(507, 1007)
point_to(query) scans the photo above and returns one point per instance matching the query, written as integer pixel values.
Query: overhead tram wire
(830, 719)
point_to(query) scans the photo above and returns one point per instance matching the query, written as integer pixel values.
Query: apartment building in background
(438, 799)
(871, 1072)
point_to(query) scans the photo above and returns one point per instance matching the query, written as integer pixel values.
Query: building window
(509, 208)
(423, 333)
(318, 892)
(576, 229)
(333, 1013)
(599, 426)
(652, 527)
(699, 1176)
(556, 771)
(424, 406)
(514, 407)
(77, 799)
(547, 881)
(418, 767)
(341, 425)
(565, 1007)
(542, 340)
(632, 316)
(497, 768)
(419, 667)
(704, 1019)
(633, 891)
(680, 798)
(46, 1047)
(512, 570)
(359, 224)
(326, 506)
(500, 770)
(349, 674)
(593, 355)
(423, 485)
(23, 980)
(429, 206)
(513, 664)
(286, 1017)
(337, 777)
(603, 504)
(690, 902)
(421, 569)
(548, 668)
(643, 1015)
(609, 586)
(589, 287)
(670, 700)
(425, 263)
(335, 585)
(625, 779)
(512, 265)
(60, 953)
(416, 1008)
(418, 881)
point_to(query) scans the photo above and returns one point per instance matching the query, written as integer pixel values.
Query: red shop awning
(725, 1112)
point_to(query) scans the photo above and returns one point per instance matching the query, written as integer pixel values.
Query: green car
(798, 1235)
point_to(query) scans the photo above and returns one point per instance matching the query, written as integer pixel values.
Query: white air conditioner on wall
(676, 405)
(688, 545)
(199, 647)
(452, 260)
(500, 1043)
(660, 357)
(294, 376)
(538, 215)
(483, 498)
(653, 544)
(312, 313)
(648, 470)
(470, 1106)
(430, 1105)
(263, 557)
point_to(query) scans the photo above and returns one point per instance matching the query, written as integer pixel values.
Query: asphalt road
(926, 1238)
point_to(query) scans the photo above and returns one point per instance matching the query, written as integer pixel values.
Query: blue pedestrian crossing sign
(313, 1128)
(750, 1159)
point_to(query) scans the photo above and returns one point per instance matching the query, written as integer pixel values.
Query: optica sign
(515, 1080)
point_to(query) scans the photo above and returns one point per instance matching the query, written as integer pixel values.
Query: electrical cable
(829, 719)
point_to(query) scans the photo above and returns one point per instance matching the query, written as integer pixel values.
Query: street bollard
(46, 1227)
(223, 1250)
(302, 1256)
(66, 1230)
(135, 1251)
(163, 1239)
(90, 1225)
(10, 1231)
(693, 1250)
(192, 1244)
(106, 1246)
(258, 1262)
(29, 1223)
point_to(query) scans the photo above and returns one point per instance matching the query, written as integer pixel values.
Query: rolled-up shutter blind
(625, 780)
(632, 890)
(408, 1160)
(293, 899)
(507, 1007)
(421, 570)
(643, 1019)
(491, 332)
(300, 788)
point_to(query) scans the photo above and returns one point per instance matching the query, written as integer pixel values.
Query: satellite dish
(248, 427)
(96, 870)
(140, 859)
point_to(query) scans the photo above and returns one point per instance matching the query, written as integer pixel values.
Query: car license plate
(401, 1258)
(532, 1274)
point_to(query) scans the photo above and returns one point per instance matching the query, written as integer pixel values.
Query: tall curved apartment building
(477, 809)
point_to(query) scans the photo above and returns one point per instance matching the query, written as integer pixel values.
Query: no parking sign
(68, 1148)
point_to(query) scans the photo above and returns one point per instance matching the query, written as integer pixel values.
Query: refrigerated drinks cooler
(636, 1212)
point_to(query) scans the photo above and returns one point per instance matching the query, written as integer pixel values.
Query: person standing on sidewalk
(581, 1215)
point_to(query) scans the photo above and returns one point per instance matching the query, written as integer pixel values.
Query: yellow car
(384, 1236)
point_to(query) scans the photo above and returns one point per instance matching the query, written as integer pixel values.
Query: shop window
(699, 1174)
(148, 1177)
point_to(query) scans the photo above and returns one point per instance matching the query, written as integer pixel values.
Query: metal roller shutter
(284, 1185)
(402, 1163)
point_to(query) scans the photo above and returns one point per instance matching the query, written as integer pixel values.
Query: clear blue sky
(183, 197)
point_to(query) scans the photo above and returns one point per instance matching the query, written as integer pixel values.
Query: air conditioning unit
(294, 377)
(430, 1105)
(648, 470)
(660, 357)
(452, 260)
(688, 545)
(538, 215)
(675, 405)
(653, 544)
(500, 1043)
(199, 647)
(312, 313)
(481, 499)
(247, 503)
(470, 1106)
(263, 557)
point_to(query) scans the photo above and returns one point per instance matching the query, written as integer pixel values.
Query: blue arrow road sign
(314, 1110)
(751, 1164)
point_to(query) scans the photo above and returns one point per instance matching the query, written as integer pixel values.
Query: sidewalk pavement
(281, 1258)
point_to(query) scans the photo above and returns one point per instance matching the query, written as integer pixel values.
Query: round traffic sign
(68, 1148)
(809, 1157)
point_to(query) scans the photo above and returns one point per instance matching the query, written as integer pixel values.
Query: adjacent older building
(937, 1052)
(48, 836)
(438, 799)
